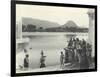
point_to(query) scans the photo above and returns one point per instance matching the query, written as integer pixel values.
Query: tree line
(34, 28)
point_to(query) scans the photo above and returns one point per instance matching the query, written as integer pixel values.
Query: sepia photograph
(54, 38)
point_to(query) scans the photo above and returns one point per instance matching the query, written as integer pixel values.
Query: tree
(31, 28)
(23, 28)
(40, 29)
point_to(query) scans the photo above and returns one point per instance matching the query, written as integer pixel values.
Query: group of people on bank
(77, 51)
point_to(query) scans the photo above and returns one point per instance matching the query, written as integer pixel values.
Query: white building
(19, 38)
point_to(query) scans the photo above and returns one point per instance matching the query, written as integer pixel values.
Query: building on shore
(19, 39)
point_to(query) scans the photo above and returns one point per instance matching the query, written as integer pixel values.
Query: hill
(39, 23)
(70, 24)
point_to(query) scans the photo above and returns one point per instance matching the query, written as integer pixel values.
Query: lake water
(51, 43)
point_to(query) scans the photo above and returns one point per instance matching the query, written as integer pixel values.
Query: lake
(52, 43)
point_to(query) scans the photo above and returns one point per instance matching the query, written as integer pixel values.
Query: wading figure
(62, 60)
(42, 60)
(26, 61)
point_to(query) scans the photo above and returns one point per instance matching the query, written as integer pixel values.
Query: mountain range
(47, 24)
(33, 25)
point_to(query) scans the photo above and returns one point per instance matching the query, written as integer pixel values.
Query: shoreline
(53, 33)
(67, 67)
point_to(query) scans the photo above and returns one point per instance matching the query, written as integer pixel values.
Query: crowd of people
(77, 51)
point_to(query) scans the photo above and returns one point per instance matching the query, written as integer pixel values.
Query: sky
(61, 15)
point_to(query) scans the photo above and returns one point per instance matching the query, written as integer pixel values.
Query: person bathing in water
(26, 61)
(42, 60)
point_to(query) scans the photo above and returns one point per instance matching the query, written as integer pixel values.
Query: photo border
(13, 36)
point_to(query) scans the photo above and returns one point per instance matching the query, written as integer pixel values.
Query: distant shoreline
(53, 33)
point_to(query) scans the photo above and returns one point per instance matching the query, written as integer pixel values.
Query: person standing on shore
(62, 60)
(89, 49)
(84, 64)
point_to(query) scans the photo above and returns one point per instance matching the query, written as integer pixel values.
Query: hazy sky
(52, 13)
